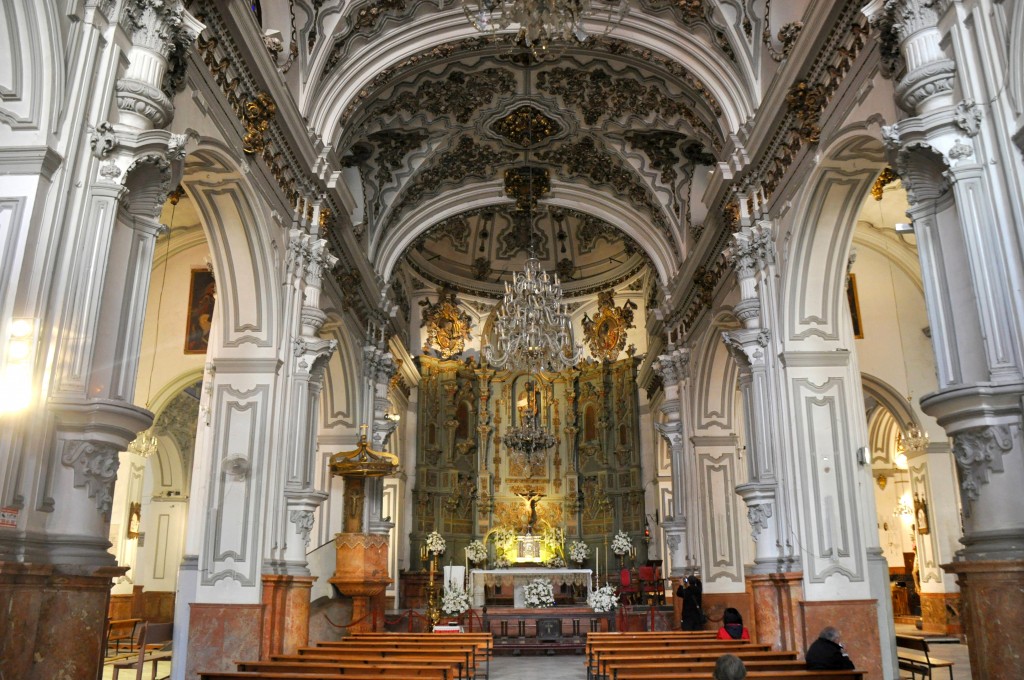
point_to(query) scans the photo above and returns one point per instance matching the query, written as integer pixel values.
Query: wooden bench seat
(122, 631)
(273, 675)
(440, 670)
(460, 662)
(674, 658)
(642, 669)
(760, 675)
(483, 642)
(915, 656)
(674, 649)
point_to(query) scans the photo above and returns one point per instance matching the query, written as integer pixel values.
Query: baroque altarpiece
(589, 484)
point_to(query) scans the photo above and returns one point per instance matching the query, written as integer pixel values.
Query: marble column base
(992, 612)
(940, 613)
(857, 621)
(777, 618)
(220, 634)
(54, 620)
(285, 613)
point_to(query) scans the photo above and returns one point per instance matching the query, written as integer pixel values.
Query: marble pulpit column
(958, 166)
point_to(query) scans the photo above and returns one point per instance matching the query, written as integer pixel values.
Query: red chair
(629, 591)
(652, 586)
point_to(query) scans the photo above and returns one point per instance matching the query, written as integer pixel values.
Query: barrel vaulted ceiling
(645, 143)
(427, 114)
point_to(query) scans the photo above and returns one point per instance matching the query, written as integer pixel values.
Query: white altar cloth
(517, 577)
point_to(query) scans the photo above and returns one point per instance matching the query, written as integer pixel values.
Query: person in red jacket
(732, 626)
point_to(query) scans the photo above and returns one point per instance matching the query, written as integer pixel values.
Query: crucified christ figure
(531, 497)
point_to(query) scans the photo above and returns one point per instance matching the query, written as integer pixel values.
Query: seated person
(729, 667)
(827, 653)
(732, 626)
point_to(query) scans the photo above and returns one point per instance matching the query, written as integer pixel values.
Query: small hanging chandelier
(915, 439)
(145, 444)
(528, 441)
(540, 22)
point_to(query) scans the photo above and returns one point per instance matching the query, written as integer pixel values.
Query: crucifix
(531, 497)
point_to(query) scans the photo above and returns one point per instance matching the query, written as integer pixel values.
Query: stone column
(378, 368)
(957, 163)
(80, 199)
(751, 253)
(673, 368)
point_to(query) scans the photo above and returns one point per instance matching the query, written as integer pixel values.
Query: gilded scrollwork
(605, 334)
(448, 327)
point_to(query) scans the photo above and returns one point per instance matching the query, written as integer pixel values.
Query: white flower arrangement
(578, 551)
(554, 562)
(476, 552)
(621, 544)
(603, 599)
(454, 601)
(435, 543)
(539, 593)
(501, 562)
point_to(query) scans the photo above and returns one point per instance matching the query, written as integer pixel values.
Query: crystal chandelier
(528, 440)
(532, 329)
(540, 22)
(915, 439)
(144, 445)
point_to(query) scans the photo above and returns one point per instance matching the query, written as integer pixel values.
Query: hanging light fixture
(532, 329)
(541, 22)
(145, 445)
(528, 441)
(914, 439)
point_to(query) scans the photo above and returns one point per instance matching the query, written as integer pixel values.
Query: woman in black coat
(690, 593)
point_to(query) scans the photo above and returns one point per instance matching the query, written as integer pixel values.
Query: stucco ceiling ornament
(448, 327)
(605, 334)
(542, 22)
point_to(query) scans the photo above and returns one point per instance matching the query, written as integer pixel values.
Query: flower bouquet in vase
(603, 599)
(476, 553)
(539, 593)
(578, 552)
(621, 546)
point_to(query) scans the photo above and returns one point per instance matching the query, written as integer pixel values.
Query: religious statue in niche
(134, 519)
(921, 514)
(447, 326)
(605, 334)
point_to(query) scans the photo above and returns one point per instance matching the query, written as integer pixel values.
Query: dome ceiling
(476, 251)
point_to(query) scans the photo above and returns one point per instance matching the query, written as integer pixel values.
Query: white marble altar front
(517, 577)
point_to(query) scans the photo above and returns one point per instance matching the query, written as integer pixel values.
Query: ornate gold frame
(447, 326)
(605, 334)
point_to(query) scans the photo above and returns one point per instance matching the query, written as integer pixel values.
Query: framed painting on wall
(854, 302)
(201, 298)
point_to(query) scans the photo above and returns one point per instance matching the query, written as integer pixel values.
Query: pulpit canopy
(363, 462)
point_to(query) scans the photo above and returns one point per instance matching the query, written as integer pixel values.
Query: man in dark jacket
(827, 654)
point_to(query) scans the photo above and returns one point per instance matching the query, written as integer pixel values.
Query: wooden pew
(677, 657)
(678, 647)
(483, 643)
(241, 675)
(371, 657)
(762, 675)
(425, 671)
(634, 670)
(121, 630)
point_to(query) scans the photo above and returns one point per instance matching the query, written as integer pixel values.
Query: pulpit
(362, 566)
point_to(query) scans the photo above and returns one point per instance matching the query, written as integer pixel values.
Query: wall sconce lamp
(18, 358)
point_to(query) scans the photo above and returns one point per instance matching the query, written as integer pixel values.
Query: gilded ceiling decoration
(467, 158)
(605, 334)
(586, 159)
(598, 94)
(459, 95)
(662, 147)
(526, 185)
(526, 126)
(392, 147)
(448, 327)
(886, 177)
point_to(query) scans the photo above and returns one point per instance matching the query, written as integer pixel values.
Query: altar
(517, 577)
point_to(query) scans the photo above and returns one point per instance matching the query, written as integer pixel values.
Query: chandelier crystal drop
(915, 439)
(532, 331)
(540, 22)
(144, 445)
